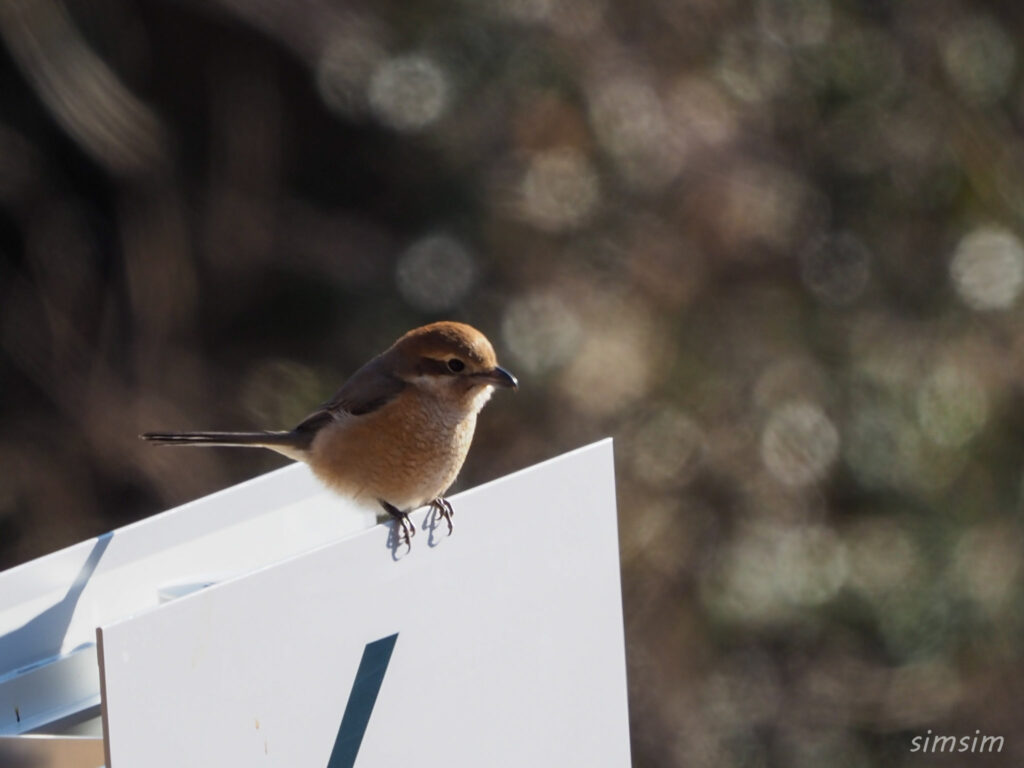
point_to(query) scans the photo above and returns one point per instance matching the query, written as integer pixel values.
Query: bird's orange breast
(406, 453)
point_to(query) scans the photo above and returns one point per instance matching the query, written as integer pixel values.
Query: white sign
(50, 607)
(501, 645)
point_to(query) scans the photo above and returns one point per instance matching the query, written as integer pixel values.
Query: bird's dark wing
(366, 390)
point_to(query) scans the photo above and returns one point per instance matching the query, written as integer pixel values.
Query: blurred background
(773, 247)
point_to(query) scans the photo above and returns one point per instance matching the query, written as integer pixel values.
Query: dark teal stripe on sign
(369, 677)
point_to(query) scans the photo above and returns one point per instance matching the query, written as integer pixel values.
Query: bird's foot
(405, 529)
(443, 507)
(408, 530)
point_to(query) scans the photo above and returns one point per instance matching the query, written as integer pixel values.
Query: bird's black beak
(499, 377)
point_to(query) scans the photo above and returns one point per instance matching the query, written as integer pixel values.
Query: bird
(398, 430)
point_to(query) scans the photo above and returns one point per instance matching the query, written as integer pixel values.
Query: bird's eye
(455, 365)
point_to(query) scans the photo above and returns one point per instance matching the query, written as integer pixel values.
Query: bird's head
(451, 359)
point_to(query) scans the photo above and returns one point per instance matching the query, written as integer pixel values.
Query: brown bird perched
(398, 431)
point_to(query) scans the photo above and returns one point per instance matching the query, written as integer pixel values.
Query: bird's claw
(443, 507)
(406, 530)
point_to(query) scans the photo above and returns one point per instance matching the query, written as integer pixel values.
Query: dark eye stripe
(429, 365)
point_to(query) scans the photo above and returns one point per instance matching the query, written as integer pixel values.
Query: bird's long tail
(291, 444)
(272, 440)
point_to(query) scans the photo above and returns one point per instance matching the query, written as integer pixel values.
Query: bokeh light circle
(435, 272)
(988, 268)
(799, 443)
(409, 93)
